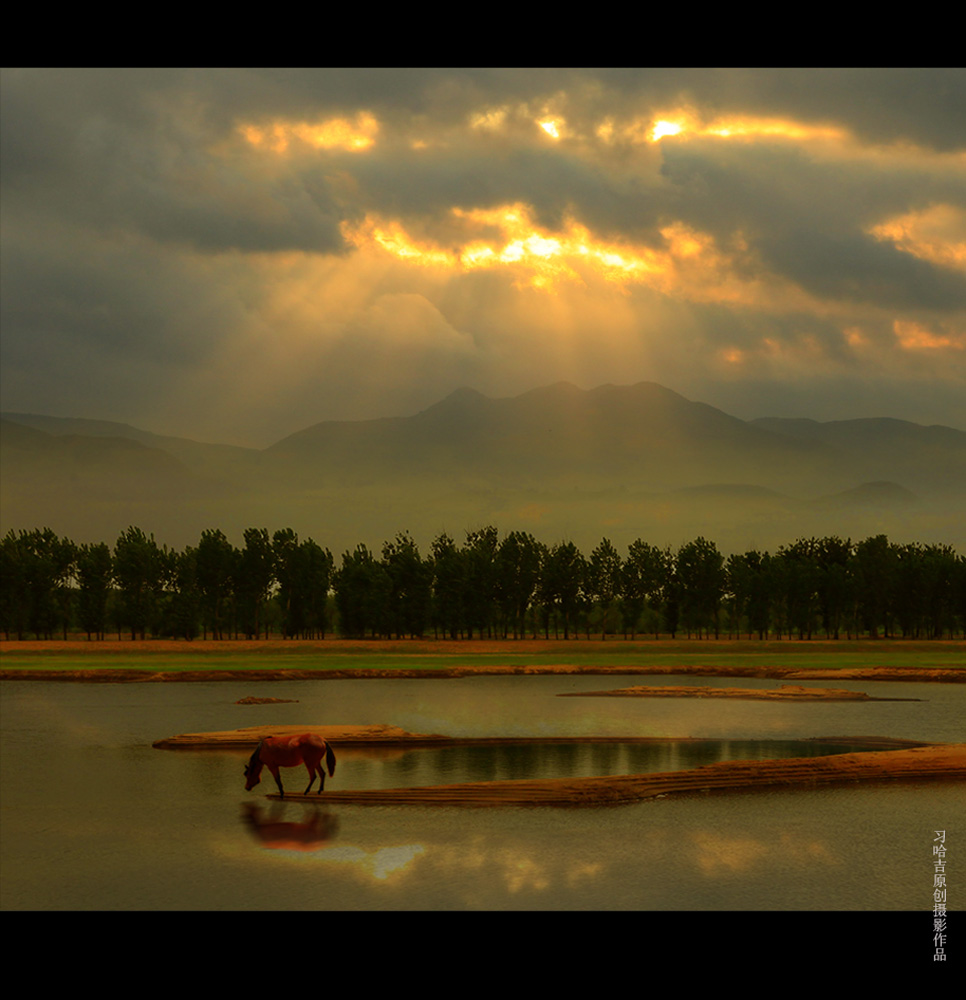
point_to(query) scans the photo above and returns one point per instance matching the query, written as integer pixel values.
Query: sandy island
(355, 736)
(918, 763)
(910, 762)
(787, 692)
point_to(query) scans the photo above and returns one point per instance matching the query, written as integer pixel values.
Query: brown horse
(290, 751)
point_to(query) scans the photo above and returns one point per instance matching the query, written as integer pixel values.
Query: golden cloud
(354, 135)
(914, 336)
(936, 234)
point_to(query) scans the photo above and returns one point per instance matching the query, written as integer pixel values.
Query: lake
(95, 818)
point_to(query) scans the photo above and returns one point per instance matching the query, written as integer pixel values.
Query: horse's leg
(310, 767)
(278, 781)
(321, 779)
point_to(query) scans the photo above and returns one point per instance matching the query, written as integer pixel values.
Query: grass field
(337, 654)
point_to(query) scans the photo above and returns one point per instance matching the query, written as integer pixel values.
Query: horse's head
(253, 770)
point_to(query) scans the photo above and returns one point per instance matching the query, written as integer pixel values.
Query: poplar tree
(410, 592)
(256, 575)
(517, 577)
(362, 589)
(448, 586)
(216, 566)
(604, 580)
(137, 570)
(95, 575)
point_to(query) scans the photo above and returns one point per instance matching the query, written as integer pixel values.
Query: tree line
(487, 586)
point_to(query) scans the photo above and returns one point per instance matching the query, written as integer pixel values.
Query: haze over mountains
(558, 461)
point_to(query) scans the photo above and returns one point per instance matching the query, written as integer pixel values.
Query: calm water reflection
(95, 818)
(518, 761)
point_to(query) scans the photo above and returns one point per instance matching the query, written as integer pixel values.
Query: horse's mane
(254, 759)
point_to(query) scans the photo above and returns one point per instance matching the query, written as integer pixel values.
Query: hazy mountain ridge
(643, 437)
(37, 447)
(933, 454)
(622, 461)
(202, 457)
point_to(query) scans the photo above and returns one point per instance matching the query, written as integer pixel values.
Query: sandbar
(938, 762)
(787, 692)
(908, 761)
(248, 737)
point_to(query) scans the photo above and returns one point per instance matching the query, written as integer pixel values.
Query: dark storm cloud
(861, 269)
(780, 197)
(552, 183)
(119, 300)
(809, 220)
(138, 158)
(146, 238)
(138, 155)
(921, 106)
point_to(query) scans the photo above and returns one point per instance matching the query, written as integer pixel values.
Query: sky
(233, 255)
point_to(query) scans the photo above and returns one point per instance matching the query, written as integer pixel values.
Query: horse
(289, 751)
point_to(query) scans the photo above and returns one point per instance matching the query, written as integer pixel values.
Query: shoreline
(941, 675)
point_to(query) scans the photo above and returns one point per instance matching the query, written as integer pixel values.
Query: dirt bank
(946, 762)
(266, 701)
(787, 692)
(116, 675)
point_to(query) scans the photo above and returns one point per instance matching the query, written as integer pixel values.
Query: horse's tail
(330, 758)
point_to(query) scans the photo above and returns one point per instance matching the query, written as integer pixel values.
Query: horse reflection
(289, 751)
(272, 833)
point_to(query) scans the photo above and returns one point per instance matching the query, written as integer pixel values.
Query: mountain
(882, 494)
(211, 459)
(81, 459)
(621, 461)
(640, 437)
(884, 448)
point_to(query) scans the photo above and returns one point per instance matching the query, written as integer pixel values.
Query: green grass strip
(362, 660)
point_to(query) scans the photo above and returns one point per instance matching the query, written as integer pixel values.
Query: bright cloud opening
(663, 128)
(552, 126)
(686, 123)
(936, 234)
(914, 336)
(690, 265)
(354, 135)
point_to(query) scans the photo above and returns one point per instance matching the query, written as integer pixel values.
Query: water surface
(95, 818)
